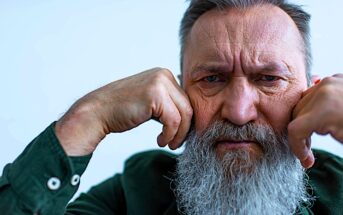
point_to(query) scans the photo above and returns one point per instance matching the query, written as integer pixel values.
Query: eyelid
(276, 75)
(205, 74)
(216, 76)
(273, 76)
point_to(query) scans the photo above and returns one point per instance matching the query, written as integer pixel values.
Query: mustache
(262, 134)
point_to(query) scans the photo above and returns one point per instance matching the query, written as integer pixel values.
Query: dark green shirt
(43, 179)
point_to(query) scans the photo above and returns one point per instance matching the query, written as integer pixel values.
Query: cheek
(280, 114)
(204, 110)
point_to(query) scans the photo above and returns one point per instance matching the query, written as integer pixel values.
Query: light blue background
(53, 52)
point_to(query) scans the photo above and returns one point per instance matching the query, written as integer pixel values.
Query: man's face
(244, 66)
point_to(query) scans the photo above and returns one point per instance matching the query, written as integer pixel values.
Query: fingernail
(172, 147)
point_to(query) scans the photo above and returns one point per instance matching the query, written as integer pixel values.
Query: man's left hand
(320, 110)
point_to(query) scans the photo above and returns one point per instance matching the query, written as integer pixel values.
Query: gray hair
(298, 15)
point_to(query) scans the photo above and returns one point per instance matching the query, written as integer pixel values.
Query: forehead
(262, 21)
(264, 29)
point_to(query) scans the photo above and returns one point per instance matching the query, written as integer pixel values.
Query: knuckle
(154, 88)
(157, 68)
(189, 111)
(161, 72)
(328, 80)
(175, 122)
(338, 75)
(166, 72)
(327, 91)
(160, 78)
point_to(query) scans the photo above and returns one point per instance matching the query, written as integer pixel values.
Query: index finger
(185, 109)
(299, 134)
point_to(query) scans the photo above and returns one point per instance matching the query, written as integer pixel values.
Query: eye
(269, 78)
(211, 78)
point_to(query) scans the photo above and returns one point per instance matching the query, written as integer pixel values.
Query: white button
(75, 180)
(54, 183)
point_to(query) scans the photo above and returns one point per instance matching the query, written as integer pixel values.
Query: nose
(240, 102)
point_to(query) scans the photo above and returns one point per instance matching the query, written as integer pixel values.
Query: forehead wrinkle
(257, 25)
(205, 32)
(202, 28)
(264, 23)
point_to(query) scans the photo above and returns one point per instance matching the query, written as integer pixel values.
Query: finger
(339, 75)
(309, 90)
(171, 119)
(309, 161)
(306, 97)
(299, 131)
(182, 103)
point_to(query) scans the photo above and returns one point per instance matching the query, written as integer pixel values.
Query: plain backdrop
(54, 51)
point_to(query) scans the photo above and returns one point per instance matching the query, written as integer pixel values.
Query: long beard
(238, 182)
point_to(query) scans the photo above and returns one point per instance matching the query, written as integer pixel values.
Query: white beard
(239, 183)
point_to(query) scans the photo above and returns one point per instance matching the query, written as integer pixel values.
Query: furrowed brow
(275, 67)
(210, 68)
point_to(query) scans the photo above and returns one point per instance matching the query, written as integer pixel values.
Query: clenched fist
(123, 105)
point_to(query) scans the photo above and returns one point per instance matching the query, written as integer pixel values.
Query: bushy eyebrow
(216, 68)
(272, 67)
(210, 68)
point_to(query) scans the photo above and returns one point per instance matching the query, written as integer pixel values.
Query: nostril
(239, 114)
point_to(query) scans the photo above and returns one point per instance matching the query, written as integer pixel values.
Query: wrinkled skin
(241, 66)
(244, 66)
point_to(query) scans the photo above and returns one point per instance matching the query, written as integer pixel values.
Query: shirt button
(54, 183)
(75, 180)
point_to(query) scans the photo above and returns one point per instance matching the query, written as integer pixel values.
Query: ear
(315, 79)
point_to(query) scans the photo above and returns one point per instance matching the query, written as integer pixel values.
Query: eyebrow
(210, 68)
(274, 66)
(225, 68)
(270, 67)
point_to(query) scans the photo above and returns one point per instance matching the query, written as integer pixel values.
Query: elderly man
(247, 108)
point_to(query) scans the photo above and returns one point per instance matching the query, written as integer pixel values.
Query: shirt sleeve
(42, 179)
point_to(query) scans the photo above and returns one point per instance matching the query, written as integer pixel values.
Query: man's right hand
(123, 105)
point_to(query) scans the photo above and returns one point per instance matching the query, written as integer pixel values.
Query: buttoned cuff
(43, 175)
